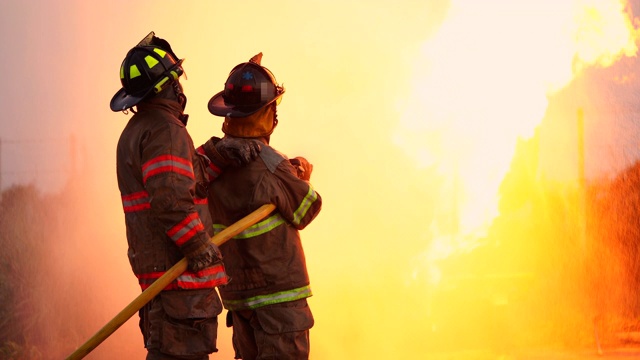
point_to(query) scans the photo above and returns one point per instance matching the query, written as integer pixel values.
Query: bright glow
(482, 83)
(480, 87)
(410, 111)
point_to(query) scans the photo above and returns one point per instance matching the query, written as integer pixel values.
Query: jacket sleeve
(168, 177)
(214, 161)
(296, 199)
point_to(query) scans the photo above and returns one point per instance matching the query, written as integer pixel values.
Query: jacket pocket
(190, 326)
(285, 317)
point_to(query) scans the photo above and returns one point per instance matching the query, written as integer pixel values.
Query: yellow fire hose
(157, 286)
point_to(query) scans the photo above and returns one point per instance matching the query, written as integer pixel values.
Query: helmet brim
(218, 107)
(122, 100)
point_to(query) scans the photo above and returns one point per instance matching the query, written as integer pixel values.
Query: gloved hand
(303, 167)
(205, 256)
(238, 151)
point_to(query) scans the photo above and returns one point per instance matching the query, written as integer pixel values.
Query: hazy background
(390, 100)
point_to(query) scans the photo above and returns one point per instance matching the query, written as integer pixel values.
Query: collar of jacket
(164, 104)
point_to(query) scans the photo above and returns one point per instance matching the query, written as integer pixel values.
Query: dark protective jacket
(266, 262)
(163, 183)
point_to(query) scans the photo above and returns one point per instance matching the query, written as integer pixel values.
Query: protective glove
(303, 167)
(230, 151)
(205, 256)
(238, 151)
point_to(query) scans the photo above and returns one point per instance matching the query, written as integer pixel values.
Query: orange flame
(482, 82)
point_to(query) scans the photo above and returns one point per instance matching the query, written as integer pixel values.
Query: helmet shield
(249, 88)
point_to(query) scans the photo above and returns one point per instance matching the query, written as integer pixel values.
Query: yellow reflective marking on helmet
(151, 61)
(134, 72)
(160, 52)
(121, 72)
(175, 75)
(160, 84)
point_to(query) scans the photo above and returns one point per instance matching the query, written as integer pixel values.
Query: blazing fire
(482, 83)
(481, 88)
(404, 259)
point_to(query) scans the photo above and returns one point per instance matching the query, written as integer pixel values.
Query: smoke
(390, 102)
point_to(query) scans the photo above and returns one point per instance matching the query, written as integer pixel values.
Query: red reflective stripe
(186, 229)
(167, 163)
(207, 271)
(247, 88)
(197, 201)
(192, 285)
(135, 196)
(136, 201)
(204, 279)
(138, 207)
(209, 277)
(153, 275)
(212, 170)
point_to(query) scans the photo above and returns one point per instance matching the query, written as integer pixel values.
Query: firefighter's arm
(228, 151)
(296, 199)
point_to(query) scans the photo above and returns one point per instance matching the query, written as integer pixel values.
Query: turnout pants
(181, 324)
(272, 332)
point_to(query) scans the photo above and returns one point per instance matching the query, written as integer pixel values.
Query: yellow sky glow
(409, 111)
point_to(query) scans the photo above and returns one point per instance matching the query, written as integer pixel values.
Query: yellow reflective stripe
(134, 72)
(160, 52)
(305, 205)
(260, 228)
(262, 300)
(151, 61)
(121, 72)
(274, 220)
(160, 83)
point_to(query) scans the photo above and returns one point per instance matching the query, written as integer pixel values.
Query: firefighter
(267, 297)
(162, 182)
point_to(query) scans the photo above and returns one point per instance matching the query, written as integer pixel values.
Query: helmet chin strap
(175, 93)
(180, 96)
(182, 99)
(275, 123)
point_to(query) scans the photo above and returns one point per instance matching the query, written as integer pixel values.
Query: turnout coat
(163, 182)
(266, 262)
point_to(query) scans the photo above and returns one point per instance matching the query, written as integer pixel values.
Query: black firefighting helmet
(249, 87)
(148, 68)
